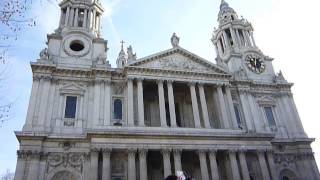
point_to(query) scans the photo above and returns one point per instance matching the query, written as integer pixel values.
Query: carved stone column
(177, 160)
(171, 104)
(204, 106)
(71, 17)
(94, 164)
(263, 165)
(162, 106)
(21, 165)
(272, 165)
(213, 165)
(140, 103)
(234, 165)
(107, 104)
(130, 102)
(67, 16)
(143, 164)
(231, 108)
(106, 165)
(85, 18)
(132, 164)
(75, 21)
(203, 165)
(243, 165)
(247, 113)
(44, 101)
(166, 162)
(32, 103)
(96, 105)
(34, 165)
(223, 109)
(195, 106)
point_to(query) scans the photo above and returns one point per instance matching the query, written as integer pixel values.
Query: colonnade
(224, 100)
(90, 18)
(236, 158)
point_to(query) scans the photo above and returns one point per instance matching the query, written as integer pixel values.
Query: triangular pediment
(72, 88)
(178, 59)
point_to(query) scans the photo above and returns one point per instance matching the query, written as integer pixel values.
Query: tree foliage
(14, 18)
(8, 175)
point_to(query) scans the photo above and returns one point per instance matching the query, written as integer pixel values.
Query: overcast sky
(287, 30)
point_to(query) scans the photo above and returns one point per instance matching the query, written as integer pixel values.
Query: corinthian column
(130, 103)
(106, 166)
(162, 106)
(234, 165)
(203, 165)
(166, 162)
(272, 166)
(195, 108)
(131, 164)
(143, 164)
(263, 165)
(21, 164)
(204, 107)
(140, 103)
(213, 165)
(222, 103)
(171, 104)
(243, 165)
(177, 159)
(231, 108)
(94, 164)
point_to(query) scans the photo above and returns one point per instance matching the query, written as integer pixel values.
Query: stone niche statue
(175, 40)
(44, 55)
(131, 57)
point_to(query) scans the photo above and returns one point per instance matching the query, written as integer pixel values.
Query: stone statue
(175, 40)
(131, 56)
(44, 55)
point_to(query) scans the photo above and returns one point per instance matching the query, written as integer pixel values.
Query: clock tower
(236, 48)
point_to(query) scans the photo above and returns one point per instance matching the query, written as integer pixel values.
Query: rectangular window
(238, 115)
(269, 115)
(117, 109)
(71, 106)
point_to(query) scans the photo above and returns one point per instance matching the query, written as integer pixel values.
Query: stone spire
(122, 59)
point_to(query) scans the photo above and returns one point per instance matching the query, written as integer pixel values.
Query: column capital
(170, 81)
(130, 78)
(192, 83)
(160, 80)
(143, 152)
(213, 151)
(131, 150)
(202, 151)
(106, 151)
(177, 151)
(140, 79)
(232, 151)
(201, 84)
(165, 151)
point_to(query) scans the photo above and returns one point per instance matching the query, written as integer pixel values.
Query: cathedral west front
(149, 117)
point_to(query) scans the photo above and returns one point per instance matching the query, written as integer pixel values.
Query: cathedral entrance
(65, 175)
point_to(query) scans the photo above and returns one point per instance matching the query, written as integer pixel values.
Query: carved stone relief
(177, 62)
(66, 160)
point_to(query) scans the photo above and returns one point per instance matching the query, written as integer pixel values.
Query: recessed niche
(76, 45)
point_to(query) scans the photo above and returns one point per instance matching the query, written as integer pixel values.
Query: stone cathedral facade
(149, 117)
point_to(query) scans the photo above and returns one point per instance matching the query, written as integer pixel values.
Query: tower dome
(226, 13)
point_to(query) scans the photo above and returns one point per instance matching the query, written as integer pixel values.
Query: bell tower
(236, 48)
(77, 41)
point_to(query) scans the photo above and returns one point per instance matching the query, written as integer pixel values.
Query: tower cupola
(226, 13)
(83, 15)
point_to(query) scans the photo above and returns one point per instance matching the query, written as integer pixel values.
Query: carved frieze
(66, 160)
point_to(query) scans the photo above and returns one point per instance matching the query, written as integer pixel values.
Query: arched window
(117, 109)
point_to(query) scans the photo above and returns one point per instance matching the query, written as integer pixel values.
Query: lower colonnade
(210, 167)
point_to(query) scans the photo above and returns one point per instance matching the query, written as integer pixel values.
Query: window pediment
(72, 88)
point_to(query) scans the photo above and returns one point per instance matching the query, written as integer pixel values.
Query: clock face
(255, 63)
